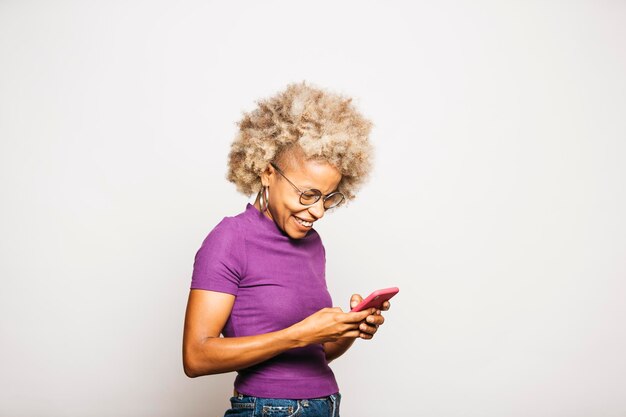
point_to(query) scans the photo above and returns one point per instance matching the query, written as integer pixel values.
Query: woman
(259, 277)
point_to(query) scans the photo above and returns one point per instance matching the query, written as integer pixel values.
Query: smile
(303, 222)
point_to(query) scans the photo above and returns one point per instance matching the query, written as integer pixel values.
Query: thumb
(355, 300)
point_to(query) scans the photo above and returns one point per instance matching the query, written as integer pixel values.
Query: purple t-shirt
(277, 281)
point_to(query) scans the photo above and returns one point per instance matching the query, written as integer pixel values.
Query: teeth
(304, 223)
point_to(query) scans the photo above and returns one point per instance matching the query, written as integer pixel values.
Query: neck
(257, 204)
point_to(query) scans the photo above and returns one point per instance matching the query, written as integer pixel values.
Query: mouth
(303, 222)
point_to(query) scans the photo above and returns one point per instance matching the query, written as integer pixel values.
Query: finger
(353, 334)
(375, 320)
(369, 329)
(386, 306)
(349, 326)
(358, 316)
(366, 336)
(355, 300)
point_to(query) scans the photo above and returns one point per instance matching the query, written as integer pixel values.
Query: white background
(496, 205)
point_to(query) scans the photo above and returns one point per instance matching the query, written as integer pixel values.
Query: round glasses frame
(312, 195)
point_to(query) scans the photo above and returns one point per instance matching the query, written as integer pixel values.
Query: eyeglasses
(312, 196)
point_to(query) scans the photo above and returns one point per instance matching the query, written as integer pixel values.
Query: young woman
(259, 277)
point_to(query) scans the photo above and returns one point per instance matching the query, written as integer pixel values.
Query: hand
(331, 324)
(369, 326)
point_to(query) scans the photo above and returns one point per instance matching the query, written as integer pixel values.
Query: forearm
(336, 349)
(215, 355)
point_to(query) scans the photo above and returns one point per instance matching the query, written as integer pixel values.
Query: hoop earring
(264, 198)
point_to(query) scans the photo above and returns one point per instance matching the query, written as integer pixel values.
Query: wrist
(295, 336)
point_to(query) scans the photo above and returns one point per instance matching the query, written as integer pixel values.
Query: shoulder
(221, 260)
(228, 227)
(226, 238)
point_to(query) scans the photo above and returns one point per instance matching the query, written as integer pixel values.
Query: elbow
(195, 365)
(189, 367)
(190, 370)
(191, 363)
(194, 369)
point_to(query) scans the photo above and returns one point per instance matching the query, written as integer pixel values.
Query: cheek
(284, 206)
(289, 209)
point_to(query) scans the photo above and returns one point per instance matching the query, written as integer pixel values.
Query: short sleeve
(220, 262)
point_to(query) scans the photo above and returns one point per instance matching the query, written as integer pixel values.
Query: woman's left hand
(369, 326)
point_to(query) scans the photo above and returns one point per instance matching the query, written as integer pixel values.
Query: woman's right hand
(330, 325)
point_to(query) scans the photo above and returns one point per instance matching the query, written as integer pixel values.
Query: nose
(317, 210)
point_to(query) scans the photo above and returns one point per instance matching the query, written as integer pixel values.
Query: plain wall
(496, 204)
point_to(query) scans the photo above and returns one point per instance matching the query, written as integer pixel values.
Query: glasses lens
(310, 197)
(333, 200)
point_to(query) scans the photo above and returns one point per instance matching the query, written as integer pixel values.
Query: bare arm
(205, 352)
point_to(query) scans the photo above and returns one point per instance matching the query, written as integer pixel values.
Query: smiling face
(284, 201)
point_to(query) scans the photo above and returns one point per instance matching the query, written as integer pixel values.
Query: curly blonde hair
(324, 126)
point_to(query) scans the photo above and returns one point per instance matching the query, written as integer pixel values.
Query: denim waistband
(318, 407)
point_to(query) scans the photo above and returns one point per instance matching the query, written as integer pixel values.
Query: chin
(296, 234)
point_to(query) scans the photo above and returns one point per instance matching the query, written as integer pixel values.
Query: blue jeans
(246, 406)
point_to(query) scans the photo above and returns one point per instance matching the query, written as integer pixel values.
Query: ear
(267, 175)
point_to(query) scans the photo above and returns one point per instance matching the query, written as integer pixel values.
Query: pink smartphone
(376, 299)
